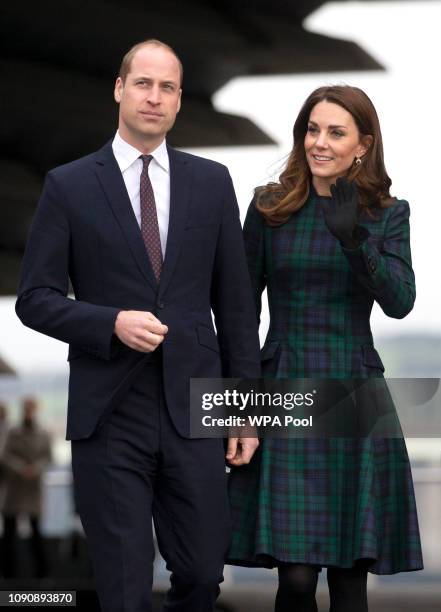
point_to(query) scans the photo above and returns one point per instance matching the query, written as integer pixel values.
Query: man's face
(150, 97)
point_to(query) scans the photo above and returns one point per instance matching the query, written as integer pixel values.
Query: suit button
(160, 304)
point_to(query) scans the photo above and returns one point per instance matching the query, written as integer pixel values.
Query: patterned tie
(149, 218)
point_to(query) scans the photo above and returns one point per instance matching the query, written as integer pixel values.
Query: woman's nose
(322, 140)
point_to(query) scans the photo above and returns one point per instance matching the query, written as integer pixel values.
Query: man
(27, 454)
(151, 240)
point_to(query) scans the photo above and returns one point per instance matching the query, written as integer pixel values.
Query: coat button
(160, 304)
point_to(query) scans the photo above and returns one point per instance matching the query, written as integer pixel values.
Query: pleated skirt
(327, 502)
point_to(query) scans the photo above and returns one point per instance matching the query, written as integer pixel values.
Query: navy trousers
(133, 468)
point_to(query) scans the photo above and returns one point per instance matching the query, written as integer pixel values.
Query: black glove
(341, 214)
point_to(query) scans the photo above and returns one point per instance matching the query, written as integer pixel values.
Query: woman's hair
(277, 201)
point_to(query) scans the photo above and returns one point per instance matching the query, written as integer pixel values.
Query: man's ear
(117, 92)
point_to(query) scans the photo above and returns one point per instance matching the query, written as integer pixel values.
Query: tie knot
(146, 159)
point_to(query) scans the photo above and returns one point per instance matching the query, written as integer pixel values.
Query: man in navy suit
(151, 241)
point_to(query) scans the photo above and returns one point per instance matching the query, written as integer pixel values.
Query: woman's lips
(321, 158)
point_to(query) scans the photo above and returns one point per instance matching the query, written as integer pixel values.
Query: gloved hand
(341, 213)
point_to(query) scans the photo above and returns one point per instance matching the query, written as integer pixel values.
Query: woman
(327, 240)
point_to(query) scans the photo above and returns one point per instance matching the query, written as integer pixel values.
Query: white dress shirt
(159, 174)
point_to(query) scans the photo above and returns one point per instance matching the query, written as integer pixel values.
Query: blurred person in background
(27, 454)
(3, 425)
(327, 240)
(3, 433)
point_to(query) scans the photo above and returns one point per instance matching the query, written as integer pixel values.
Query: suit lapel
(112, 182)
(180, 182)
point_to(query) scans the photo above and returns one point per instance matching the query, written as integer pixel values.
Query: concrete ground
(253, 598)
(256, 598)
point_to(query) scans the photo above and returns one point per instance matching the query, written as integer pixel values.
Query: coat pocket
(268, 350)
(371, 358)
(207, 338)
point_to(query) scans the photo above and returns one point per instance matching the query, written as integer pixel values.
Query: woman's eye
(312, 129)
(337, 133)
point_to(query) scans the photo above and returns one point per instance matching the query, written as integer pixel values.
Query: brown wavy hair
(277, 201)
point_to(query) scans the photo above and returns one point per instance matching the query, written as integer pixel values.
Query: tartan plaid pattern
(327, 501)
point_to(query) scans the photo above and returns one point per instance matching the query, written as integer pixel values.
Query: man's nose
(154, 96)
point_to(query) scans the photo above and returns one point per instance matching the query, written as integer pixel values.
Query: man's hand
(139, 330)
(240, 450)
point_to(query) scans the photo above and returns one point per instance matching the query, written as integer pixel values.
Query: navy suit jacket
(85, 229)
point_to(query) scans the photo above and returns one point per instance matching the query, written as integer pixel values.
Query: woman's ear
(365, 143)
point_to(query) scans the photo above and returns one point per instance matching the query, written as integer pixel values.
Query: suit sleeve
(385, 270)
(255, 252)
(42, 302)
(231, 296)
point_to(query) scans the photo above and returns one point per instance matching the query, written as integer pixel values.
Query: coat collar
(110, 177)
(112, 182)
(180, 189)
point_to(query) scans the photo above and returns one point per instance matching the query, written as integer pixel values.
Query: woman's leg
(297, 587)
(348, 588)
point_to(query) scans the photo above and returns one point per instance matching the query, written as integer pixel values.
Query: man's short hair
(153, 42)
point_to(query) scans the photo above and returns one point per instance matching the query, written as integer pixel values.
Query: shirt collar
(126, 154)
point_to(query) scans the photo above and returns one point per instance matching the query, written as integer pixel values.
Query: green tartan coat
(327, 501)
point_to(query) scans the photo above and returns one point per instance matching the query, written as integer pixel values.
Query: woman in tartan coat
(326, 241)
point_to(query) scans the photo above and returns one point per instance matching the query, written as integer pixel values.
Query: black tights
(298, 584)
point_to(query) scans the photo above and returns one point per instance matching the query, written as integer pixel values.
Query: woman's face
(332, 142)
